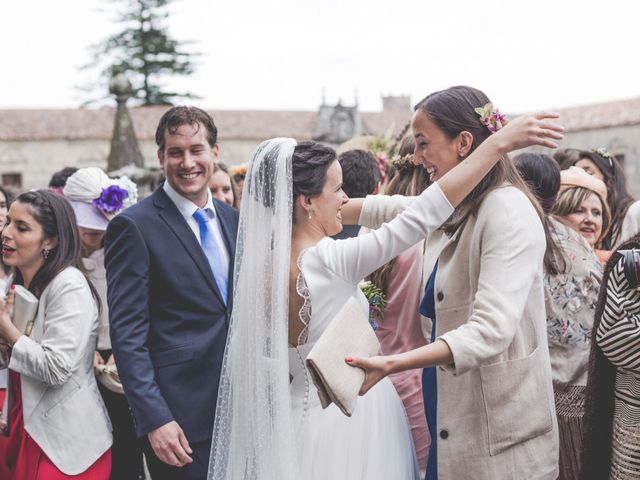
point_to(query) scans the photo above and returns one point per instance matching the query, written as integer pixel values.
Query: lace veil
(253, 435)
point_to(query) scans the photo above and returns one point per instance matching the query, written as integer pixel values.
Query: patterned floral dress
(570, 301)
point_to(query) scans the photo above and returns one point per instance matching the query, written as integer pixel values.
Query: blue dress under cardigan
(430, 379)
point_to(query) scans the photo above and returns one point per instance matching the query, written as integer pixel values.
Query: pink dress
(400, 330)
(27, 461)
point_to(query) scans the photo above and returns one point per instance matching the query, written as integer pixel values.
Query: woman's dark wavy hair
(57, 219)
(595, 459)
(618, 198)
(541, 174)
(453, 112)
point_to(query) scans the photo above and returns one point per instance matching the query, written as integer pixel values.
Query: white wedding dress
(375, 442)
(269, 422)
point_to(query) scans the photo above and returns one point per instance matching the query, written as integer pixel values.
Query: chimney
(400, 102)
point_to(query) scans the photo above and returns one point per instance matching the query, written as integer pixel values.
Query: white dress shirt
(187, 208)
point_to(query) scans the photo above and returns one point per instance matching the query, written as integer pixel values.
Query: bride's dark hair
(309, 165)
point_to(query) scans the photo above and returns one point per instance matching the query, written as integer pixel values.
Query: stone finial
(124, 144)
(121, 87)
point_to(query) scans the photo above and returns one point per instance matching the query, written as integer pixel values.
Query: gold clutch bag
(348, 334)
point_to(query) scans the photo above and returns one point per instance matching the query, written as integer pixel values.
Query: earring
(310, 212)
(45, 254)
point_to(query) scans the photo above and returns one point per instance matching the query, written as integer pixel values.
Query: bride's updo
(309, 164)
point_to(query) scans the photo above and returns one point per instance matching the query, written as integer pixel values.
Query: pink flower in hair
(491, 117)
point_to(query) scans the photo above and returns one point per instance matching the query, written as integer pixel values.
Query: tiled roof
(601, 115)
(97, 124)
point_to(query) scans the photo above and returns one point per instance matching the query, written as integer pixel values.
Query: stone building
(612, 125)
(36, 143)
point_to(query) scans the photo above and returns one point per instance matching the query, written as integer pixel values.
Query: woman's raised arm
(525, 131)
(539, 129)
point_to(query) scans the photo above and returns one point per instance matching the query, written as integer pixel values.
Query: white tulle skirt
(375, 443)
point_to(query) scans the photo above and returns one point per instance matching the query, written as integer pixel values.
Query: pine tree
(144, 51)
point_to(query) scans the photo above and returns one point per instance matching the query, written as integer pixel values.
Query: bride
(290, 281)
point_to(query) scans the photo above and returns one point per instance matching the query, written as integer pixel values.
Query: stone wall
(619, 141)
(37, 161)
(623, 140)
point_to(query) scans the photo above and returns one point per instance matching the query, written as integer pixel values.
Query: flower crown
(491, 117)
(604, 153)
(403, 163)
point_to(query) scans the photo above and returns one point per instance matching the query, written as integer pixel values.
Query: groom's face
(187, 161)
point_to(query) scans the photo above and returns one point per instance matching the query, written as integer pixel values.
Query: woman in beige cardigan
(494, 415)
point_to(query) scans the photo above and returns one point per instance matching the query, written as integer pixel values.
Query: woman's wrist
(9, 333)
(496, 146)
(392, 364)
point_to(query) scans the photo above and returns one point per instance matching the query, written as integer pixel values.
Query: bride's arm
(522, 132)
(354, 258)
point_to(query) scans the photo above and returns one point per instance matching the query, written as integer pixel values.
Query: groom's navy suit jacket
(168, 321)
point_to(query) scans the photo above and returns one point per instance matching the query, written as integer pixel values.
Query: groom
(169, 264)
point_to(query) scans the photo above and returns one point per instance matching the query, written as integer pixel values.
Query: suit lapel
(176, 222)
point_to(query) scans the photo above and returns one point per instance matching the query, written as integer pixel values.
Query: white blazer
(63, 410)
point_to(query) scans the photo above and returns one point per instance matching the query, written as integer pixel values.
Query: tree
(143, 50)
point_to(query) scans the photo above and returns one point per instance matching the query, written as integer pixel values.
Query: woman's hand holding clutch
(375, 368)
(9, 334)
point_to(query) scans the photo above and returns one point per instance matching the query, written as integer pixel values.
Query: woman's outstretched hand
(538, 129)
(375, 369)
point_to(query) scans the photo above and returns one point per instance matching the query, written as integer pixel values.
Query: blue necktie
(211, 250)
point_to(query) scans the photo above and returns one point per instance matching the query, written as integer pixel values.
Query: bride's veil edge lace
(253, 431)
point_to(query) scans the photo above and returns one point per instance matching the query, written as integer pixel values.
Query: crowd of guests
(64, 409)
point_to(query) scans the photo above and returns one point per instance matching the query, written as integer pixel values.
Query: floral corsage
(377, 302)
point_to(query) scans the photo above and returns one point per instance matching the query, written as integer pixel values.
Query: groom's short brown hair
(175, 117)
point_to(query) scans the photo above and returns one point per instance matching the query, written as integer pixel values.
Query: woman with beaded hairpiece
(487, 376)
(625, 211)
(400, 327)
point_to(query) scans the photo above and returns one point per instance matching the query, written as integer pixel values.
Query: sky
(282, 55)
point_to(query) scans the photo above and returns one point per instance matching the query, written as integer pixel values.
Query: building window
(12, 180)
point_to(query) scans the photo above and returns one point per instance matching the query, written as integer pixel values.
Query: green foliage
(143, 50)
